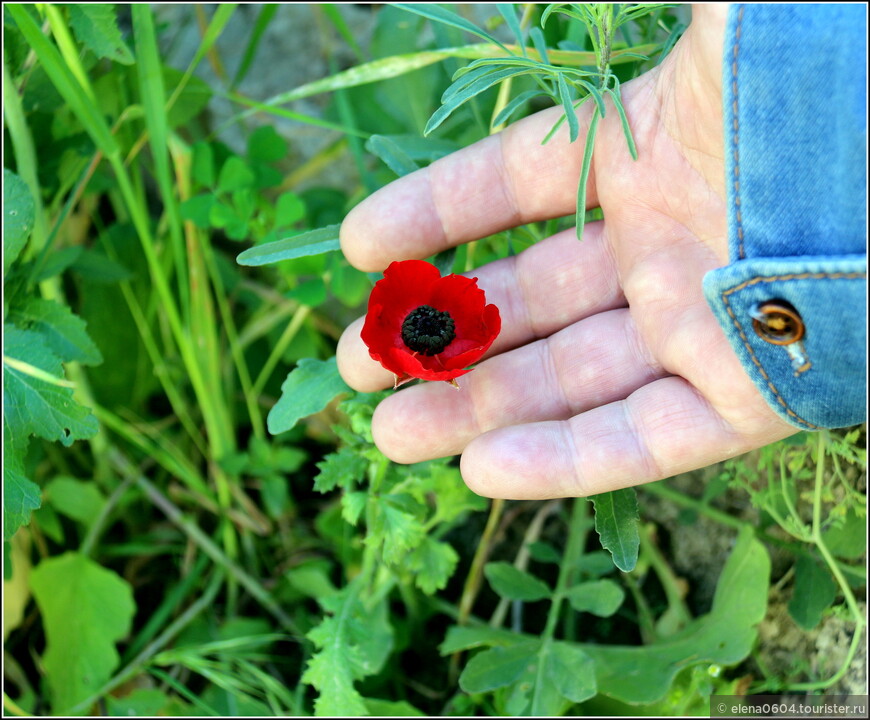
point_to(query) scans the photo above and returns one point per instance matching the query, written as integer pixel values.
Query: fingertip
(355, 365)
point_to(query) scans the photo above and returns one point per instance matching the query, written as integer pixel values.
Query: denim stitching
(735, 137)
(746, 344)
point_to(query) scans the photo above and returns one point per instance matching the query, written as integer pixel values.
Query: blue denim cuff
(818, 381)
(793, 301)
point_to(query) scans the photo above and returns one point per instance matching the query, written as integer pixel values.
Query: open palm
(610, 370)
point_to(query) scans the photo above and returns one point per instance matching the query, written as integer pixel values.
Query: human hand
(610, 369)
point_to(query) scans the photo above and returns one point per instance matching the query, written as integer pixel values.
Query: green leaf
(96, 27)
(18, 217)
(391, 154)
(343, 469)
(352, 643)
(85, 610)
(395, 525)
(626, 128)
(570, 670)
(509, 13)
(514, 105)
(580, 213)
(432, 563)
(442, 15)
(307, 390)
(847, 537)
(616, 517)
(65, 334)
(20, 496)
(498, 667)
(235, 175)
(31, 404)
(599, 597)
(198, 210)
(352, 506)
(266, 145)
(202, 164)
(467, 638)
(289, 209)
(76, 499)
(724, 636)
(313, 242)
(814, 591)
(544, 552)
(568, 107)
(515, 584)
(142, 702)
(390, 708)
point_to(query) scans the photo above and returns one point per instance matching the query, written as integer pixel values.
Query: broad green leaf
(235, 175)
(571, 671)
(544, 552)
(392, 155)
(198, 210)
(96, 27)
(724, 636)
(599, 597)
(65, 334)
(814, 591)
(77, 499)
(142, 702)
(515, 584)
(390, 708)
(460, 637)
(498, 667)
(847, 537)
(352, 505)
(352, 643)
(432, 563)
(616, 518)
(289, 209)
(307, 390)
(266, 145)
(18, 217)
(85, 610)
(34, 403)
(20, 496)
(313, 242)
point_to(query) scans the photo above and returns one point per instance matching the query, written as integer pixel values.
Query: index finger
(505, 180)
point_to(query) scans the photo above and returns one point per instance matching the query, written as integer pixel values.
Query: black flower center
(427, 330)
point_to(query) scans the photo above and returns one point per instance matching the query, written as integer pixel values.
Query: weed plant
(196, 521)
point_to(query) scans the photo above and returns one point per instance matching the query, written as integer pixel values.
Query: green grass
(185, 469)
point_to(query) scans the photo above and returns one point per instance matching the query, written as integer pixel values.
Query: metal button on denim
(777, 322)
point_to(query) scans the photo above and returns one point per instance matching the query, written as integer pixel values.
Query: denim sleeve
(792, 301)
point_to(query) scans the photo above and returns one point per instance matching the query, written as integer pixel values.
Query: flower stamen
(428, 331)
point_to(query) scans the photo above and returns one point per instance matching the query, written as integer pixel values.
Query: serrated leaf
(814, 591)
(18, 217)
(313, 242)
(599, 597)
(616, 519)
(32, 405)
(352, 643)
(341, 469)
(498, 667)
(96, 27)
(64, 333)
(432, 563)
(352, 506)
(20, 496)
(309, 388)
(515, 584)
(396, 526)
(85, 609)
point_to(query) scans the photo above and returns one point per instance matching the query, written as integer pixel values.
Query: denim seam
(748, 346)
(735, 136)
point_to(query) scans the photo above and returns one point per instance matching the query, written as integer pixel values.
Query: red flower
(422, 325)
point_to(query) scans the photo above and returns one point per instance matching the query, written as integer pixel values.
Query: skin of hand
(610, 369)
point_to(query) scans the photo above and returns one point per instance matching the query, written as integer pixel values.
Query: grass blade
(260, 24)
